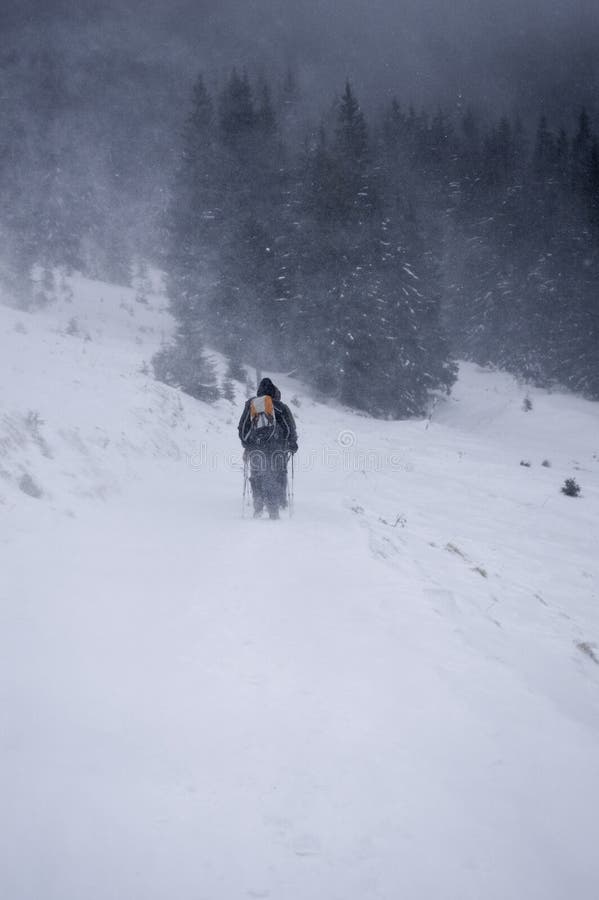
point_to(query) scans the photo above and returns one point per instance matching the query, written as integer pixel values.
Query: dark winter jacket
(285, 437)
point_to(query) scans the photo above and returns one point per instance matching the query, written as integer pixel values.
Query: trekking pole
(245, 487)
(291, 493)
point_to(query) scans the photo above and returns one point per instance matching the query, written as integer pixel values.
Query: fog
(95, 94)
(514, 55)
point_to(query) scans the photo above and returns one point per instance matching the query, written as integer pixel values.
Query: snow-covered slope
(393, 694)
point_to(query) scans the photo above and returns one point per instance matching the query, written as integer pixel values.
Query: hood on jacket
(266, 387)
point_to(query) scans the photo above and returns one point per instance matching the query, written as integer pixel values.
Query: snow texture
(395, 694)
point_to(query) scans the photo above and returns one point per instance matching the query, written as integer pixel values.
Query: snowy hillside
(395, 694)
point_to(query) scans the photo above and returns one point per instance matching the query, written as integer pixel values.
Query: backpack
(263, 420)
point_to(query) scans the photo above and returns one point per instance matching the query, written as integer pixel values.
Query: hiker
(268, 434)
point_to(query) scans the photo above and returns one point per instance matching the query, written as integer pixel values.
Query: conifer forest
(362, 244)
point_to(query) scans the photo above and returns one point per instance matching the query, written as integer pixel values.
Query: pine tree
(288, 108)
(545, 153)
(265, 114)
(237, 114)
(581, 154)
(184, 364)
(254, 177)
(193, 223)
(378, 339)
(353, 188)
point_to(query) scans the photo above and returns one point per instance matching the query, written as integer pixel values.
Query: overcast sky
(524, 54)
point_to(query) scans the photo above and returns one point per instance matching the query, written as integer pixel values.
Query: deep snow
(393, 694)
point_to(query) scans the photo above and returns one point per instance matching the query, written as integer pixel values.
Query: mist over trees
(522, 254)
(294, 253)
(83, 173)
(363, 256)
(307, 224)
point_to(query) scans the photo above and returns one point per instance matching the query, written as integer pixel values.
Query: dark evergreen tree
(581, 154)
(378, 343)
(236, 109)
(193, 221)
(184, 364)
(335, 258)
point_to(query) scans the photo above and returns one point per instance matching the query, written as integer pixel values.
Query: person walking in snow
(268, 434)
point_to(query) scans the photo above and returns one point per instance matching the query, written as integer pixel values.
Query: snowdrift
(393, 694)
